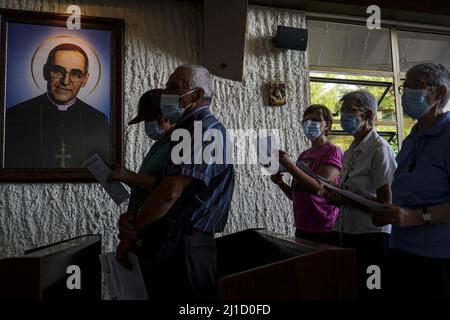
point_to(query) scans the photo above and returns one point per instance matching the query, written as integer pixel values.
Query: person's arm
(310, 184)
(278, 180)
(126, 226)
(384, 194)
(439, 214)
(287, 190)
(333, 198)
(133, 179)
(161, 200)
(382, 174)
(408, 217)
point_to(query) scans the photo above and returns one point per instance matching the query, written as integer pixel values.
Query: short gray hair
(438, 75)
(364, 100)
(199, 77)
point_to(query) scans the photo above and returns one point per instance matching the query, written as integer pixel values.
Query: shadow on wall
(170, 29)
(263, 47)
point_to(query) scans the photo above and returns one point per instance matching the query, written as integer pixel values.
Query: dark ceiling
(422, 6)
(421, 11)
(432, 12)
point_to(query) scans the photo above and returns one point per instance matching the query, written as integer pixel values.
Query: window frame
(396, 74)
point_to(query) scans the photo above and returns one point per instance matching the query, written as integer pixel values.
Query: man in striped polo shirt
(198, 188)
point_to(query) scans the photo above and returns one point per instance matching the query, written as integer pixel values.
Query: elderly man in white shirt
(368, 170)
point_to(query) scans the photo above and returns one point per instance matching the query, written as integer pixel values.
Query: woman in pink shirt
(314, 217)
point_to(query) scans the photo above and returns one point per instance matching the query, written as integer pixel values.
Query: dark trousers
(415, 277)
(189, 274)
(330, 238)
(370, 249)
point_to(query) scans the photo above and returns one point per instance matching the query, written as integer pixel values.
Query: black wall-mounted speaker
(291, 38)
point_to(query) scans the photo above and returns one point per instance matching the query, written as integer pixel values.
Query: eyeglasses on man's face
(416, 84)
(58, 72)
(349, 109)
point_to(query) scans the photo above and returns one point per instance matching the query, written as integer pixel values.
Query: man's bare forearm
(287, 190)
(141, 181)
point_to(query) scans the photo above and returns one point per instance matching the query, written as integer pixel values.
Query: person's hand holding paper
(119, 173)
(101, 173)
(122, 254)
(284, 159)
(337, 195)
(127, 236)
(398, 216)
(277, 178)
(332, 197)
(126, 226)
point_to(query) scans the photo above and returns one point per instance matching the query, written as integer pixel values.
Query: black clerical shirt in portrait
(39, 135)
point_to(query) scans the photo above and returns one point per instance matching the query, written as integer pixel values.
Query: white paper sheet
(101, 172)
(123, 284)
(344, 193)
(308, 170)
(357, 198)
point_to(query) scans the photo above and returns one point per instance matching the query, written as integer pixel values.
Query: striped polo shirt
(213, 179)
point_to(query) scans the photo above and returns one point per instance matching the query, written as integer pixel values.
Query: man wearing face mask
(158, 129)
(368, 170)
(193, 197)
(420, 242)
(314, 217)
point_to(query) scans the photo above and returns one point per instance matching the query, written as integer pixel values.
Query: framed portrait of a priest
(62, 95)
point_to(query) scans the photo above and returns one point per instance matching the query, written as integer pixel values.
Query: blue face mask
(414, 102)
(312, 129)
(153, 130)
(170, 106)
(350, 123)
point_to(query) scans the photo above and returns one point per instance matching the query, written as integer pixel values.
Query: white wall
(159, 36)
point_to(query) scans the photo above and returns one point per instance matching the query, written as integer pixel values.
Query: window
(348, 46)
(345, 57)
(418, 47)
(327, 89)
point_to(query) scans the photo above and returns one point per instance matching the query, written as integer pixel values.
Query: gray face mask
(170, 106)
(154, 131)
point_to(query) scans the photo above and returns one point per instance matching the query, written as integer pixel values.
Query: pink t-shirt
(312, 213)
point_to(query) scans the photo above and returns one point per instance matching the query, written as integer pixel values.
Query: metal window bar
(388, 85)
(390, 135)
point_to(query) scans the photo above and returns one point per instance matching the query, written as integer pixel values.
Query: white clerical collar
(61, 107)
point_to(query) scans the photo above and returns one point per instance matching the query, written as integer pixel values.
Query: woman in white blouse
(368, 169)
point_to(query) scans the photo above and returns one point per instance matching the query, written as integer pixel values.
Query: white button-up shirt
(366, 167)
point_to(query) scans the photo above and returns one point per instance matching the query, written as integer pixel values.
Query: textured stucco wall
(159, 36)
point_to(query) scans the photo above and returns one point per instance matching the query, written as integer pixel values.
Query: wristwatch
(426, 215)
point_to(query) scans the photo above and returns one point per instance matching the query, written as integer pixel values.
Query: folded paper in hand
(123, 284)
(101, 173)
(369, 204)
